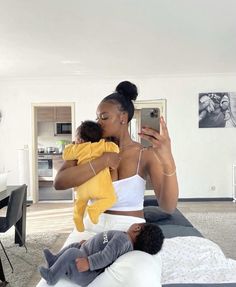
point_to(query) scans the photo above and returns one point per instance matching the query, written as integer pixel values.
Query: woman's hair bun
(128, 90)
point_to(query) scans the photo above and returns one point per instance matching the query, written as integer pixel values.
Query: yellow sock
(93, 214)
(79, 224)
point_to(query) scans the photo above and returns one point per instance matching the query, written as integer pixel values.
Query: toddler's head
(147, 237)
(88, 131)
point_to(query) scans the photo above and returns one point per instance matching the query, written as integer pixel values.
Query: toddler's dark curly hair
(89, 131)
(150, 239)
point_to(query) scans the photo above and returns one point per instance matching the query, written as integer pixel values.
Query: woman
(134, 164)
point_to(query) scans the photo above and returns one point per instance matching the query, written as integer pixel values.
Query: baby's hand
(82, 264)
(114, 174)
(112, 159)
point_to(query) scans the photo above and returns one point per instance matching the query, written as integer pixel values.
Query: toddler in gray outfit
(82, 262)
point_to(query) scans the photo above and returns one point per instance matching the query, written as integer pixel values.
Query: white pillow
(134, 268)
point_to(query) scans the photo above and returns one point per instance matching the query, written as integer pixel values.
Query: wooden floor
(43, 217)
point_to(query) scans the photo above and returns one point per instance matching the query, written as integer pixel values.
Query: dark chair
(13, 214)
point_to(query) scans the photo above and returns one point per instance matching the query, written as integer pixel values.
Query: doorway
(53, 128)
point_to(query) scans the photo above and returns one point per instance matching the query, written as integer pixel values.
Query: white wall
(204, 157)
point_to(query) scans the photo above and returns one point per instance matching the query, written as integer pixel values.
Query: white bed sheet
(195, 260)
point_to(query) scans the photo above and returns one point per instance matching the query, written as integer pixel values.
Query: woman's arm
(70, 174)
(161, 167)
(164, 181)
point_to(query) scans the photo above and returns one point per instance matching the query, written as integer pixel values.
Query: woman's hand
(161, 168)
(82, 264)
(161, 143)
(112, 159)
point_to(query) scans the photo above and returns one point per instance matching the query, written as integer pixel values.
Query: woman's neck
(124, 139)
(124, 144)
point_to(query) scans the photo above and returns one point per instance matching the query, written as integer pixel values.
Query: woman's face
(109, 117)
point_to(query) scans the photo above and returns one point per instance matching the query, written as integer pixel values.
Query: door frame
(159, 103)
(34, 154)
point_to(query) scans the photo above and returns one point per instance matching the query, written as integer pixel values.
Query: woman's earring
(122, 122)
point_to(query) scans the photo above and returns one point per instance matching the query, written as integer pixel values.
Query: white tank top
(130, 191)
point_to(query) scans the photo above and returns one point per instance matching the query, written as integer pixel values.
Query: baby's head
(88, 131)
(224, 103)
(147, 237)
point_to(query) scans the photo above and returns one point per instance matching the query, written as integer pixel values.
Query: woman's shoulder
(144, 154)
(149, 157)
(137, 149)
(146, 151)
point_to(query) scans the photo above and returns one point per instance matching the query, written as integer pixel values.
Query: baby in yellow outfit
(98, 189)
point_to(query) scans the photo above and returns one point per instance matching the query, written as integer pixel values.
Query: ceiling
(110, 38)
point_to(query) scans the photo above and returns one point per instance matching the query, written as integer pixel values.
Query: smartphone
(150, 117)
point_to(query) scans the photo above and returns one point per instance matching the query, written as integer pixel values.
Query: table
(20, 225)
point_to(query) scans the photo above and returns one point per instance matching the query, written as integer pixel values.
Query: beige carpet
(25, 264)
(219, 227)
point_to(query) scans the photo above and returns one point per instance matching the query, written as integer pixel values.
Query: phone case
(150, 117)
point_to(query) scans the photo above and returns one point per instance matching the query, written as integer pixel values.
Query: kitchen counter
(54, 153)
(48, 165)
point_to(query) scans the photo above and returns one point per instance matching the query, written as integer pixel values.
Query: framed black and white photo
(217, 110)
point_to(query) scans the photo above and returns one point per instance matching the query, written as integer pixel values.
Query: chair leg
(6, 255)
(2, 276)
(21, 239)
(4, 284)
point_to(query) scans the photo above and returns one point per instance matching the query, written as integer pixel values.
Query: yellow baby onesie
(99, 189)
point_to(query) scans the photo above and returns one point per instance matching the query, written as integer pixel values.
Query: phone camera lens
(154, 114)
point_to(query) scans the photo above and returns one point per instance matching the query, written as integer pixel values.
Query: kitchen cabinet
(63, 114)
(45, 114)
(54, 114)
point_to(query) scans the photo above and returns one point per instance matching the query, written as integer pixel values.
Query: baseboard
(151, 199)
(206, 199)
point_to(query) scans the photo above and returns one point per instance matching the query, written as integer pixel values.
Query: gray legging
(63, 264)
